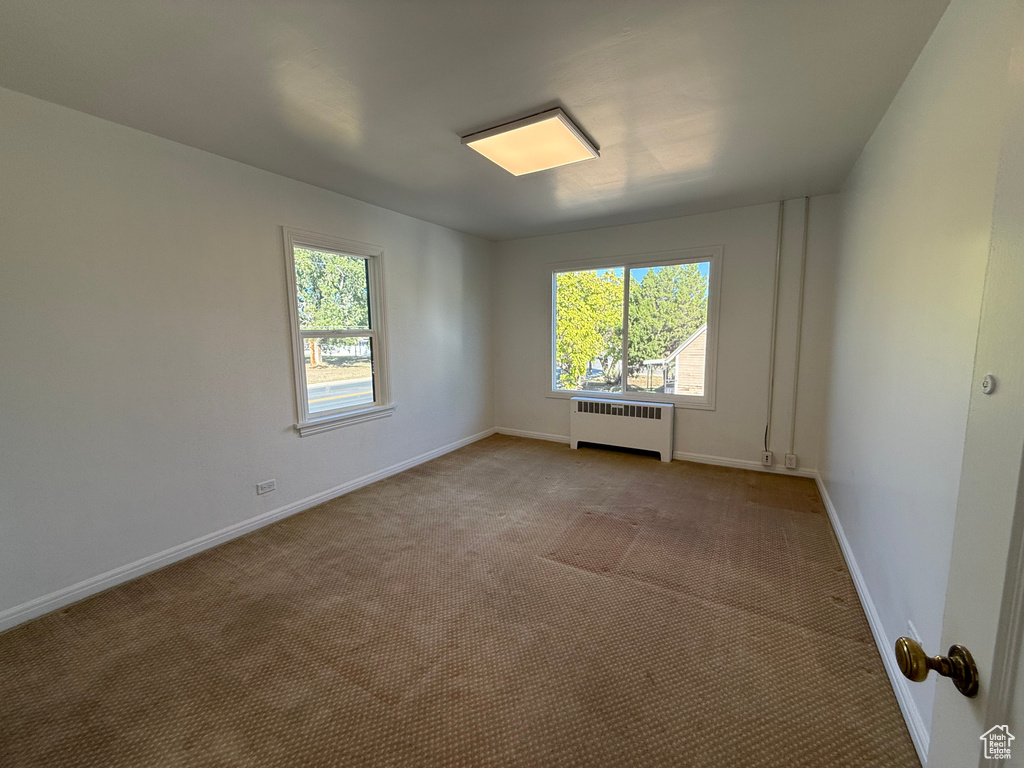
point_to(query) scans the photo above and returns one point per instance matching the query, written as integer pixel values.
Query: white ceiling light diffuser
(533, 144)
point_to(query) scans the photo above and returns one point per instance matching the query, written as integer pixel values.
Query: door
(985, 596)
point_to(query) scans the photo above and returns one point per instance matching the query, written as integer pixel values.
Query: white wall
(734, 431)
(146, 382)
(914, 236)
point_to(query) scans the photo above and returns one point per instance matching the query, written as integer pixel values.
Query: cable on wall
(799, 325)
(775, 322)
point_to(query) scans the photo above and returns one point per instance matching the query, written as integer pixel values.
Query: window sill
(315, 427)
(679, 401)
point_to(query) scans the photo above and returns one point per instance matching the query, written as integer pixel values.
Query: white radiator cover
(646, 426)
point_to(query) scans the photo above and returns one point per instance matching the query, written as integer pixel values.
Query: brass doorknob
(958, 665)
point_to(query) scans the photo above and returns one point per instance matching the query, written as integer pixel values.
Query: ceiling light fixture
(533, 144)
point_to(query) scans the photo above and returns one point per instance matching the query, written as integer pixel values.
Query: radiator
(646, 426)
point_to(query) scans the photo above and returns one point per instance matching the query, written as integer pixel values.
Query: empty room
(533, 383)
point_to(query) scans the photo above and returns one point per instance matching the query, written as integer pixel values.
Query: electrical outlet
(265, 487)
(790, 461)
(766, 458)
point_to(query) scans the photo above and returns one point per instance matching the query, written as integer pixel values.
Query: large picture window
(642, 328)
(336, 306)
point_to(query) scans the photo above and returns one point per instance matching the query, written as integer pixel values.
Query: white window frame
(712, 255)
(311, 424)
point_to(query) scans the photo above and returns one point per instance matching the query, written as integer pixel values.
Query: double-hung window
(640, 328)
(336, 303)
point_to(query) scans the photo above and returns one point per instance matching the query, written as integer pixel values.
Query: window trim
(306, 423)
(710, 254)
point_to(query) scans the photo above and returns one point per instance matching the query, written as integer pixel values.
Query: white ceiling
(696, 105)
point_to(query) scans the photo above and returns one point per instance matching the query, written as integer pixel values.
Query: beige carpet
(511, 604)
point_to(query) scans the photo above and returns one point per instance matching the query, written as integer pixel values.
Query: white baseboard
(919, 732)
(51, 602)
(532, 435)
(700, 458)
(721, 461)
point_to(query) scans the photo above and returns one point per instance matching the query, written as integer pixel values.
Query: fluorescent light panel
(533, 144)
